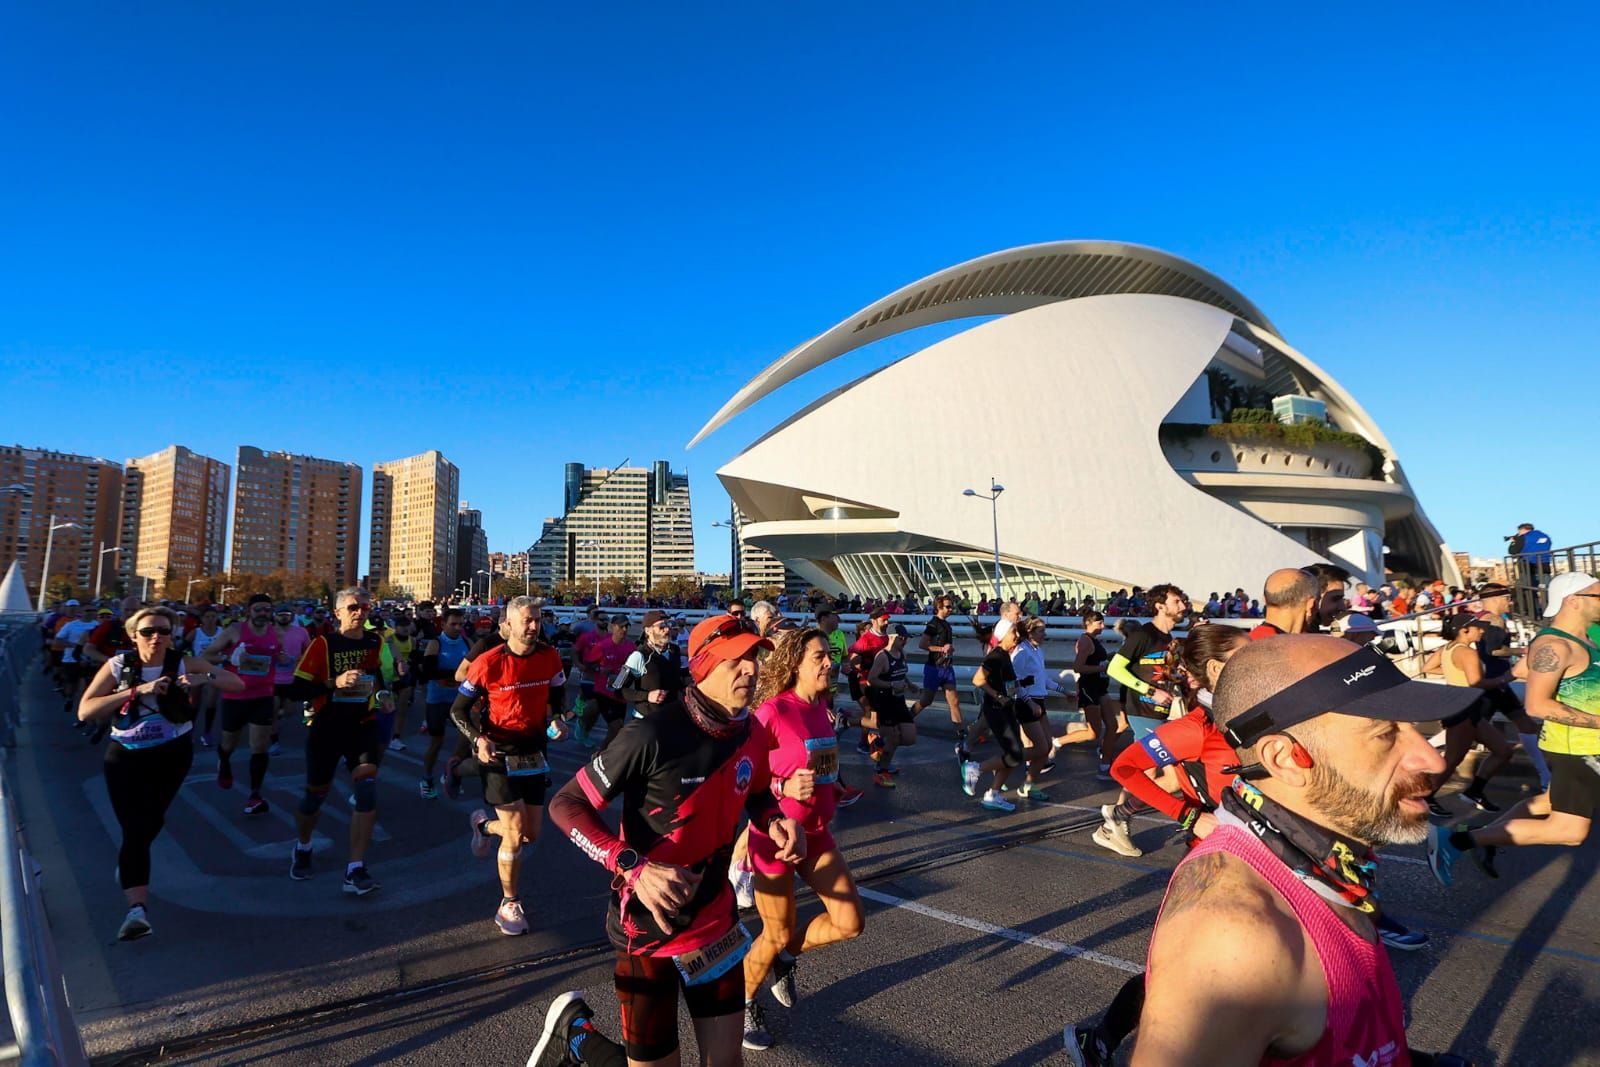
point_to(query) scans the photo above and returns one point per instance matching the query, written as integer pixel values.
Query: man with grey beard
(1266, 947)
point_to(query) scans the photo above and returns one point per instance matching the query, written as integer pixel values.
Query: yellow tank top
(1581, 691)
(1454, 675)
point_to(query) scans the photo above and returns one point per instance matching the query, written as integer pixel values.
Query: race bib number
(526, 766)
(253, 665)
(822, 758)
(362, 691)
(716, 959)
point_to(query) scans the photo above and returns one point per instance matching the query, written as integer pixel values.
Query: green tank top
(1581, 691)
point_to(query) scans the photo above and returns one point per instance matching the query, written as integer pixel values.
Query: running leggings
(142, 783)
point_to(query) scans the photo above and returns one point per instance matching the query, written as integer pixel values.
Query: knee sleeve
(508, 855)
(311, 802)
(366, 791)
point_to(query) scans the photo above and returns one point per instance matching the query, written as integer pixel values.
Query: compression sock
(1476, 787)
(1125, 810)
(1122, 1018)
(1530, 745)
(590, 1046)
(258, 771)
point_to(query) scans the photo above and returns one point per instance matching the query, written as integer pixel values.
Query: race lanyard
(1347, 868)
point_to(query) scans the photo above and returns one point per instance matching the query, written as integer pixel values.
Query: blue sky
(531, 234)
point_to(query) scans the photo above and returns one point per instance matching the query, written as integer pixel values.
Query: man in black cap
(653, 674)
(1266, 947)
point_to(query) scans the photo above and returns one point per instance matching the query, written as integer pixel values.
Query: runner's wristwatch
(626, 860)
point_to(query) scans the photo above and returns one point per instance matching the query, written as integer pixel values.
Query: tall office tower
(297, 514)
(753, 568)
(626, 522)
(413, 541)
(175, 516)
(82, 494)
(472, 548)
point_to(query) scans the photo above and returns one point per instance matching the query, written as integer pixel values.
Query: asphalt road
(985, 932)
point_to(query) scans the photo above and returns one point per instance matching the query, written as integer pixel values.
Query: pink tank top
(254, 660)
(1366, 1018)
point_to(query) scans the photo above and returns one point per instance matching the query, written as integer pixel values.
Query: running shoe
(1086, 1048)
(862, 746)
(566, 1024)
(360, 882)
(1114, 836)
(756, 1036)
(848, 795)
(743, 881)
(1438, 810)
(480, 840)
(1031, 792)
(1484, 857)
(1049, 766)
(1442, 855)
(783, 990)
(962, 755)
(452, 780)
(892, 769)
(427, 790)
(205, 742)
(300, 865)
(581, 735)
(396, 745)
(224, 776)
(255, 805)
(1400, 937)
(1104, 772)
(510, 919)
(135, 925)
(970, 772)
(883, 779)
(995, 802)
(1483, 803)
(275, 749)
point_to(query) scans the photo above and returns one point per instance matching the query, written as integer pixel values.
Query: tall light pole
(594, 544)
(993, 497)
(488, 590)
(192, 583)
(225, 591)
(100, 566)
(733, 561)
(49, 543)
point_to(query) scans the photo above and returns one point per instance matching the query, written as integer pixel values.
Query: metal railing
(1530, 575)
(46, 1033)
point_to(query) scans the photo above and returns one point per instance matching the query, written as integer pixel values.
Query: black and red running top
(683, 791)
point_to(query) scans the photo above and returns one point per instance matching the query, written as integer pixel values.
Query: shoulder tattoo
(1545, 659)
(1191, 881)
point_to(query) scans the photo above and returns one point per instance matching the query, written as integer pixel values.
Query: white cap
(1563, 586)
(1002, 628)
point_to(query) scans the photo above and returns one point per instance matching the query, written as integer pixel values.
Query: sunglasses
(356, 607)
(152, 631)
(732, 626)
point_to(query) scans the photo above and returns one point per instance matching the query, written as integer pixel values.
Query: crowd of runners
(1286, 752)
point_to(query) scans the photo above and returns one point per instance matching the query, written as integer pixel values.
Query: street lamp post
(100, 566)
(225, 591)
(192, 583)
(733, 560)
(488, 586)
(993, 497)
(49, 544)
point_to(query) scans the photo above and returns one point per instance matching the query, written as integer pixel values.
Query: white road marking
(1006, 932)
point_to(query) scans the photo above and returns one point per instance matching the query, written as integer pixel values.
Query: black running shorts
(501, 790)
(647, 990)
(237, 714)
(1574, 784)
(338, 735)
(1007, 734)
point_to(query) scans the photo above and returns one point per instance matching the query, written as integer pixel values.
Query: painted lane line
(1021, 937)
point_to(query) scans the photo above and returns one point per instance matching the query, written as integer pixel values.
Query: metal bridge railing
(36, 993)
(1530, 575)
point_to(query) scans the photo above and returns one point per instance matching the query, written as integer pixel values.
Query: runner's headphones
(1301, 757)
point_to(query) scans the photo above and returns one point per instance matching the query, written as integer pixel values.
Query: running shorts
(437, 717)
(501, 790)
(1025, 712)
(647, 991)
(257, 711)
(1505, 701)
(1007, 734)
(1574, 784)
(890, 709)
(764, 854)
(936, 677)
(337, 736)
(1480, 711)
(1092, 689)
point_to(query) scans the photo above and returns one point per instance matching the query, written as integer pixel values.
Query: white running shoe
(995, 802)
(970, 773)
(744, 886)
(1113, 836)
(510, 918)
(396, 745)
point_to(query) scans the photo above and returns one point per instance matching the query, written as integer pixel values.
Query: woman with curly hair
(792, 703)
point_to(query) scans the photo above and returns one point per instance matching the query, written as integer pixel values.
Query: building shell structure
(1132, 488)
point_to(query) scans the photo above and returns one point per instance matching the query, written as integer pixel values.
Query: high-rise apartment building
(753, 568)
(38, 485)
(174, 516)
(297, 514)
(628, 522)
(472, 547)
(414, 517)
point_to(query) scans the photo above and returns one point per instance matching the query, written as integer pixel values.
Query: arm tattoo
(1192, 881)
(1558, 712)
(1545, 659)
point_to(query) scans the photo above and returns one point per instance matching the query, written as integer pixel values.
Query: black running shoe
(1483, 803)
(1484, 857)
(300, 866)
(1086, 1048)
(567, 1019)
(1438, 810)
(360, 882)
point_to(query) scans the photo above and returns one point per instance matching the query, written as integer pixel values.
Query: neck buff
(1336, 868)
(712, 717)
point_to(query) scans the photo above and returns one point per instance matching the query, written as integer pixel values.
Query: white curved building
(1135, 486)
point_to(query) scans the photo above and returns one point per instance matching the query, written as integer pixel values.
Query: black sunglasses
(151, 631)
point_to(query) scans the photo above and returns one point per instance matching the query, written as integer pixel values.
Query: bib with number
(254, 665)
(822, 757)
(362, 691)
(716, 959)
(526, 766)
